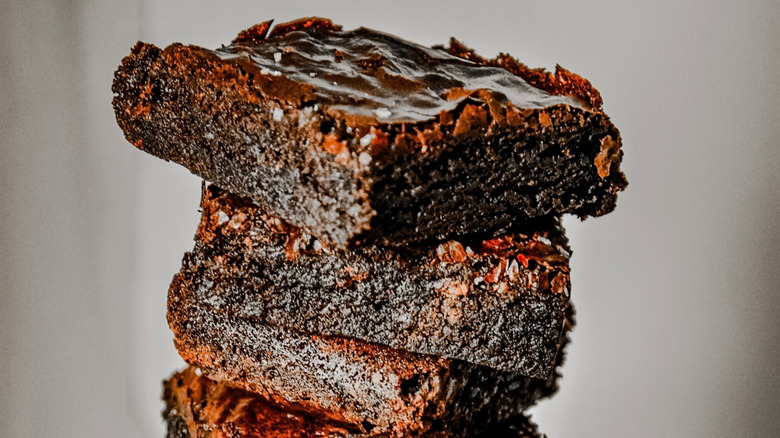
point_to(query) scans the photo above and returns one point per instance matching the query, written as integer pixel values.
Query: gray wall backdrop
(676, 291)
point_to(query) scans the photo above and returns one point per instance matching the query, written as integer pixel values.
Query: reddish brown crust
(259, 32)
(562, 82)
(254, 34)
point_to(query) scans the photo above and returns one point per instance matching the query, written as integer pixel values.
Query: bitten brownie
(359, 136)
(365, 386)
(498, 303)
(197, 407)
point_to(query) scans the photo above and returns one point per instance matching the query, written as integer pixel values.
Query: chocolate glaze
(373, 77)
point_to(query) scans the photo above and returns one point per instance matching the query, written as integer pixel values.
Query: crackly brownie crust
(500, 304)
(358, 136)
(197, 407)
(367, 387)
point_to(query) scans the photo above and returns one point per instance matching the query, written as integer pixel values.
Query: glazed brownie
(498, 303)
(358, 135)
(197, 407)
(365, 386)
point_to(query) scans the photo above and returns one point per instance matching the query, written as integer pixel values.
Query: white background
(676, 291)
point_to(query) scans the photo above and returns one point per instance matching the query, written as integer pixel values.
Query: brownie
(359, 136)
(197, 407)
(498, 303)
(367, 386)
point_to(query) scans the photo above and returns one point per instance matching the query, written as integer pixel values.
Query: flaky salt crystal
(364, 158)
(222, 217)
(366, 140)
(383, 113)
(268, 71)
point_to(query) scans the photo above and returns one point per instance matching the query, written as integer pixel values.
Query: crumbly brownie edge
(184, 105)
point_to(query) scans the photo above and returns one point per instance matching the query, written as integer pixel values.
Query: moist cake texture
(197, 407)
(365, 386)
(498, 303)
(359, 136)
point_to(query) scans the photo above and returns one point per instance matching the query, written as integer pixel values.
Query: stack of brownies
(380, 251)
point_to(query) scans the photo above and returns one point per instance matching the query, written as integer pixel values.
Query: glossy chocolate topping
(373, 77)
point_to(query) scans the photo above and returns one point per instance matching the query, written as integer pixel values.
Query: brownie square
(363, 386)
(359, 136)
(498, 303)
